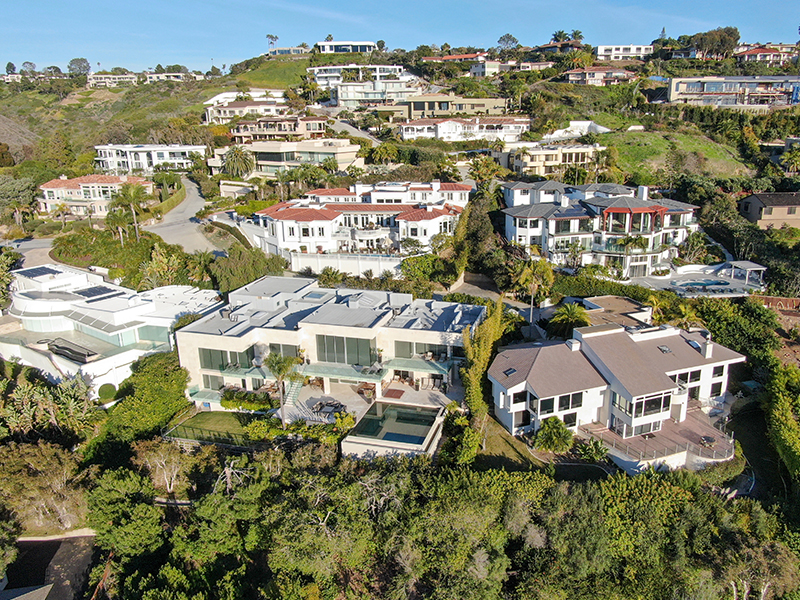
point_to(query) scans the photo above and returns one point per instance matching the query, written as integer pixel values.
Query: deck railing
(622, 446)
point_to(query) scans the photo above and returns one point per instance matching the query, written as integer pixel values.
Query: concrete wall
(352, 264)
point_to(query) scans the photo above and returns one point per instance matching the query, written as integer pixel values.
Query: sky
(140, 34)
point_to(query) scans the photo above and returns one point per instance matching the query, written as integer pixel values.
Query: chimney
(707, 346)
(563, 199)
(643, 192)
(574, 345)
(62, 177)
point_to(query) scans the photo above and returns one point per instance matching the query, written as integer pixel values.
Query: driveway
(483, 287)
(180, 226)
(341, 126)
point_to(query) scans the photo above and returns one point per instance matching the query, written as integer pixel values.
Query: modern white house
(490, 68)
(600, 76)
(225, 112)
(379, 353)
(373, 93)
(66, 321)
(122, 159)
(532, 158)
(336, 47)
(280, 155)
(639, 389)
(281, 127)
(597, 224)
(88, 194)
(506, 129)
(288, 51)
(624, 52)
(329, 76)
(178, 77)
(757, 92)
(110, 80)
(773, 57)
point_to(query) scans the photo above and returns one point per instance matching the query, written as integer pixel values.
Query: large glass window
(546, 406)
(519, 397)
(436, 349)
(213, 382)
(352, 351)
(403, 349)
(219, 360)
(284, 350)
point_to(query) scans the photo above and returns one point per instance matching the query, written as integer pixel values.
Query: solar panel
(94, 292)
(37, 272)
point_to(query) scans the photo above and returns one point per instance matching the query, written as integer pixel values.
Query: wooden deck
(672, 439)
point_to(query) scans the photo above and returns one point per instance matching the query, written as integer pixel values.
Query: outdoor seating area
(329, 407)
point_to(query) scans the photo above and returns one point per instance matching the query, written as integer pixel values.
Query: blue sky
(138, 35)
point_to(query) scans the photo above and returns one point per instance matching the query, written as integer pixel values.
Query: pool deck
(676, 282)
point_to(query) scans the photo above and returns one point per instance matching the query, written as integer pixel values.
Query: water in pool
(395, 423)
(700, 283)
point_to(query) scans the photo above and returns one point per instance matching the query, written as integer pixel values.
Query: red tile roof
(456, 187)
(76, 182)
(364, 207)
(599, 70)
(287, 212)
(453, 57)
(423, 214)
(330, 192)
(754, 51)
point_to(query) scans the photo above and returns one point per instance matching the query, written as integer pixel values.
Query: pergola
(747, 267)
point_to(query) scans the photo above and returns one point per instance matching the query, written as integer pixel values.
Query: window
(212, 382)
(546, 406)
(284, 350)
(290, 231)
(353, 351)
(321, 232)
(403, 349)
(304, 232)
(522, 223)
(719, 371)
(791, 210)
(519, 397)
(716, 389)
(569, 401)
(571, 419)
(768, 210)
(522, 419)
(652, 405)
(435, 349)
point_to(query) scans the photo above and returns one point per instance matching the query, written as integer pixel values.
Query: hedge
(244, 400)
(170, 202)
(722, 472)
(234, 232)
(784, 431)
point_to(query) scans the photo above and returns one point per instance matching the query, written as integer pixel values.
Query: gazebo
(744, 269)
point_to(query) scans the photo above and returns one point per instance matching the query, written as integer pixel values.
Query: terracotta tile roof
(599, 70)
(287, 212)
(755, 51)
(76, 182)
(423, 214)
(364, 207)
(330, 192)
(456, 187)
(454, 57)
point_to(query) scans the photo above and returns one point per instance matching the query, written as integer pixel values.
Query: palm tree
(791, 159)
(133, 196)
(60, 211)
(567, 318)
(330, 164)
(282, 368)
(658, 305)
(199, 265)
(536, 277)
(687, 317)
(282, 178)
(384, 153)
(238, 161)
(560, 36)
(19, 208)
(497, 145)
(576, 35)
(117, 220)
(272, 39)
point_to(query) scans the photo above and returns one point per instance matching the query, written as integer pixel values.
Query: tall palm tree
(19, 208)
(497, 145)
(238, 161)
(576, 35)
(658, 305)
(567, 318)
(60, 211)
(116, 220)
(199, 265)
(791, 159)
(134, 197)
(282, 178)
(560, 36)
(536, 277)
(384, 153)
(282, 368)
(687, 317)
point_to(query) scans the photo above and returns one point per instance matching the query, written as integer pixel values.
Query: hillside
(648, 151)
(16, 136)
(276, 74)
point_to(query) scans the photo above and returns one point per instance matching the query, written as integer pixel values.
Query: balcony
(343, 233)
(373, 234)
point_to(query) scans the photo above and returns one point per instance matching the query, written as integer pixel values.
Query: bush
(237, 399)
(234, 232)
(107, 391)
(553, 436)
(47, 229)
(722, 472)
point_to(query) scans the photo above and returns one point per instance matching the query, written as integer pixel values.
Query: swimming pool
(396, 423)
(699, 283)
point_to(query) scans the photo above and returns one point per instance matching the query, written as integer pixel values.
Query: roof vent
(665, 349)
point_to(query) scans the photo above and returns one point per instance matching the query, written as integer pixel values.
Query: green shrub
(244, 400)
(107, 391)
(47, 229)
(234, 232)
(170, 202)
(722, 472)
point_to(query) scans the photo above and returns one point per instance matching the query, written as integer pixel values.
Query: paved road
(345, 127)
(180, 226)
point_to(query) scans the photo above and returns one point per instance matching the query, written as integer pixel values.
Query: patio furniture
(707, 441)
(318, 406)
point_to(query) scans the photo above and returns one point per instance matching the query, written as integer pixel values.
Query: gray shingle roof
(777, 198)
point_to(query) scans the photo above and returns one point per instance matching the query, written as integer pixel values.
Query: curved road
(180, 226)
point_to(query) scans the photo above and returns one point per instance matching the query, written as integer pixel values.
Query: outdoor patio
(356, 402)
(731, 280)
(695, 434)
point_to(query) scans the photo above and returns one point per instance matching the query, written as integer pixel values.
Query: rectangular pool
(396, 423)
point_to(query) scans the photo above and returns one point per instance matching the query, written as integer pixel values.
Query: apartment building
(68, 322)
(507, 129)
(600, 76)
(223, 113)
(757, 92)
(288, 51)
(546, 160)
(491, 68)
(344, 336)
(109, 80)
(279, 128)
(274, 156)
(775, 209)
(86, 195)
(638, 389)
(144, 158)
(345, 47)
(597, 224)
(330, 76)
(444, 105)
(473, 56)
(354, 94)
(623, 52)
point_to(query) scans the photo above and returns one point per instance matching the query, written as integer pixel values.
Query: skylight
(665, 349)
(509, 372)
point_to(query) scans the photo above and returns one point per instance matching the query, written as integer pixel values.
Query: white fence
(352, 264)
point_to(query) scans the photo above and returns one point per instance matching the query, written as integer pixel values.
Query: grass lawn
(648, 149)
(214, 427)
(504, 451)
(276, 74)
